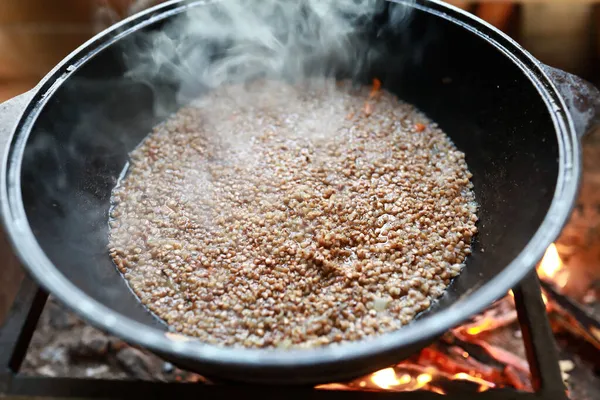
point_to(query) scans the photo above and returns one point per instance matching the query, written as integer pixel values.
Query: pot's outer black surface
(517, 121)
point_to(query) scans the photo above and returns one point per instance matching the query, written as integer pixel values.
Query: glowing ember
(484, 385)
(423, 379)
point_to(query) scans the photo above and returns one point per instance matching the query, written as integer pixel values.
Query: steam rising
(236, 40)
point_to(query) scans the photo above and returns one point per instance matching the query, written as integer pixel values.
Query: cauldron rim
(36, 262)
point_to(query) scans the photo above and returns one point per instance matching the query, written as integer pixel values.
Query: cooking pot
(518, 121)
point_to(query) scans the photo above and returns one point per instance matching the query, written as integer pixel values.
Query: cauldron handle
(581, 97)
(10, 112)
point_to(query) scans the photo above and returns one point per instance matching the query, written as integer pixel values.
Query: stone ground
(65, 346)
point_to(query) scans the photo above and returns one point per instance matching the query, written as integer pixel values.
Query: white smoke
(236, 40)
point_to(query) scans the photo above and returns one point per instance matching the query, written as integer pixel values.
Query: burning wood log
(461, 362)
(489, 353)
(571, 317)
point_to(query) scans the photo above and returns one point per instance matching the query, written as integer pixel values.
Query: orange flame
(388, 379)
(544, 298)
(552, 268)
(406, 378)
(483, 326)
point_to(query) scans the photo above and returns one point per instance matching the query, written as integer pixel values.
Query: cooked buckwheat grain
(276, 215)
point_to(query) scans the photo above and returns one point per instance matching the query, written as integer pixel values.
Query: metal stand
(20, 324)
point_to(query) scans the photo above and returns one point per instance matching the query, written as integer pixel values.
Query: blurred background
(37, 34)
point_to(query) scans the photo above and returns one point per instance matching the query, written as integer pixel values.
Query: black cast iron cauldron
(518, 121)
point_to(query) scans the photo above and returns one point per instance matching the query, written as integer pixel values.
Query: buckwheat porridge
(279, 215)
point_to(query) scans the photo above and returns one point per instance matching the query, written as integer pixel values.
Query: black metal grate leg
(18, 328)
(540, 345)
